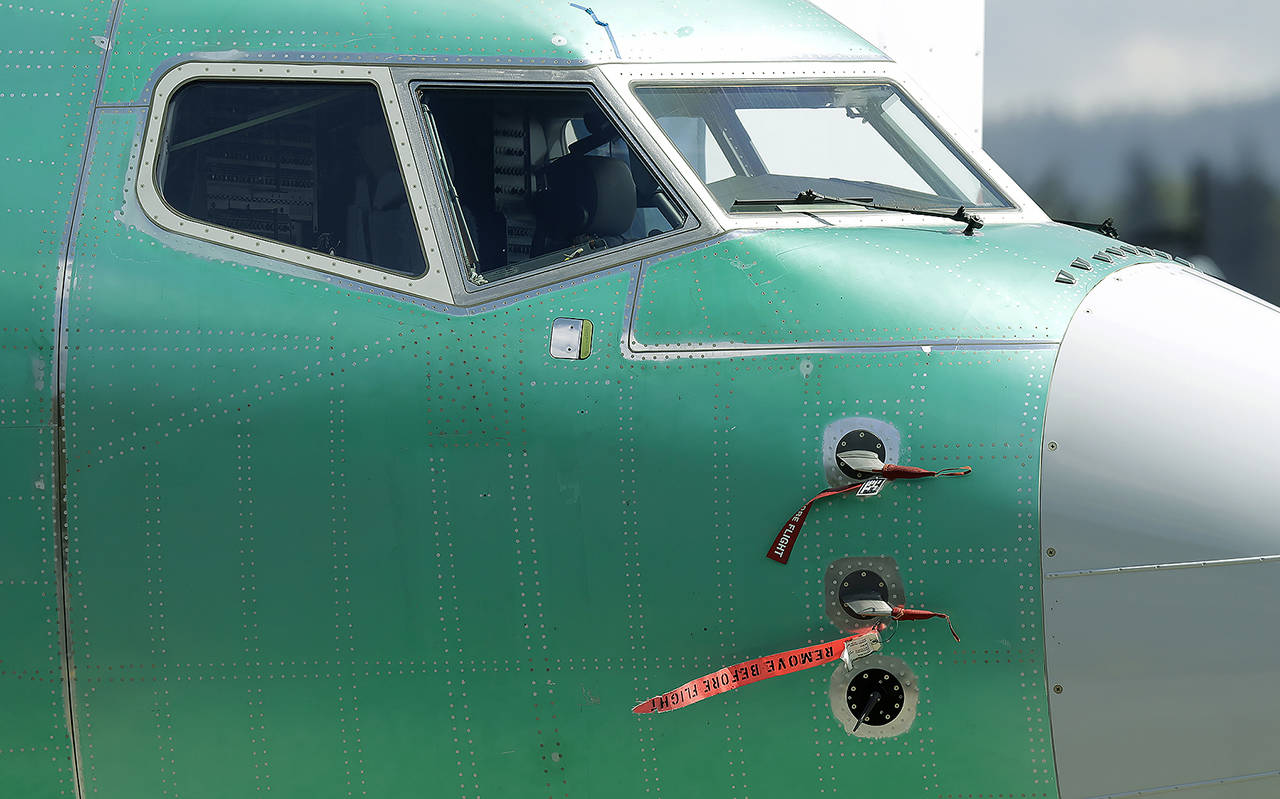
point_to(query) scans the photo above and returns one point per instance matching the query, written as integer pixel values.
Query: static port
(875, 697)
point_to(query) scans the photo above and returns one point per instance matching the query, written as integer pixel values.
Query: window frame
(432, 284)
(911, 103)
(624, 78)
(642, 145)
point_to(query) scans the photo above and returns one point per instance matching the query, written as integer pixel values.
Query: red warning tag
(786, 538)
(736, 676)
(781, 549)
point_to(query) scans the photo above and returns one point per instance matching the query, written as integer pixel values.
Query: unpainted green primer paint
(538, 32)
(343, 533)
(50, 71)
(866, 286)
(325, 541)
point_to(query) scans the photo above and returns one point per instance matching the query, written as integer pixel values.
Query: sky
(1085, 57)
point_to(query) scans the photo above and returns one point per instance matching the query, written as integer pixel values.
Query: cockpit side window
(537, 177)
(309, 164)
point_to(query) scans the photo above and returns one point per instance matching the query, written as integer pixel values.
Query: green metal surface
(34, 756)
(48, 73)
(531, 32)
(345, 543)
(323, 541)
(870, 285)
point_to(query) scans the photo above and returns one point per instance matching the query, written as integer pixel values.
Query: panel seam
(1154, 567)
(60, 349)
(1262, 775)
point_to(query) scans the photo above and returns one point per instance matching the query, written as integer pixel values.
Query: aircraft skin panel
(49, 78)
(495, 33)
(34, 754)
(790, 288)
(26, 355)
(323, 538)
(1225, 357)
(346, 533)
(1160, 505)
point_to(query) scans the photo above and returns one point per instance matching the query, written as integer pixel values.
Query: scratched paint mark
(38, 366)
(757, 276)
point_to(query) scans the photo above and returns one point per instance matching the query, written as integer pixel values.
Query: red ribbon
(786, 539)
(908, 614)
(748, 672)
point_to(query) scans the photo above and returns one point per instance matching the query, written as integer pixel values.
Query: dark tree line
(1232, 215)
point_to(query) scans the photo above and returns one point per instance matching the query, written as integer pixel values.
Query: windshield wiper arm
(806, 197)
(1107, 227)
(810, 197)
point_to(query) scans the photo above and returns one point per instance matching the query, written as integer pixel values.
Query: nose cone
(1160, 500)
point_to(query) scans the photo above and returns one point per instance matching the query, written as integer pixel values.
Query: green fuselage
(268, 530)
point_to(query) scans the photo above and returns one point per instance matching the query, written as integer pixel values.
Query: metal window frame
(611, 86)
(643, 145)
(432, 284)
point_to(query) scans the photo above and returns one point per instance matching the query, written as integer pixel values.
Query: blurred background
(1162, 114)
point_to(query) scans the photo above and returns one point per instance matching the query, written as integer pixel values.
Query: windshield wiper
(810, 197)
(1106, 227)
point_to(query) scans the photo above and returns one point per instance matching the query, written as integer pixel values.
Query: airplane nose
(1160, 529)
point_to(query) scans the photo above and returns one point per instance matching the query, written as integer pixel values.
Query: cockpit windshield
(750, 143)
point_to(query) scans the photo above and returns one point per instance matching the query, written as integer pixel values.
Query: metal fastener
(1053, 445)
(1057, 689)
(1050, 552)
